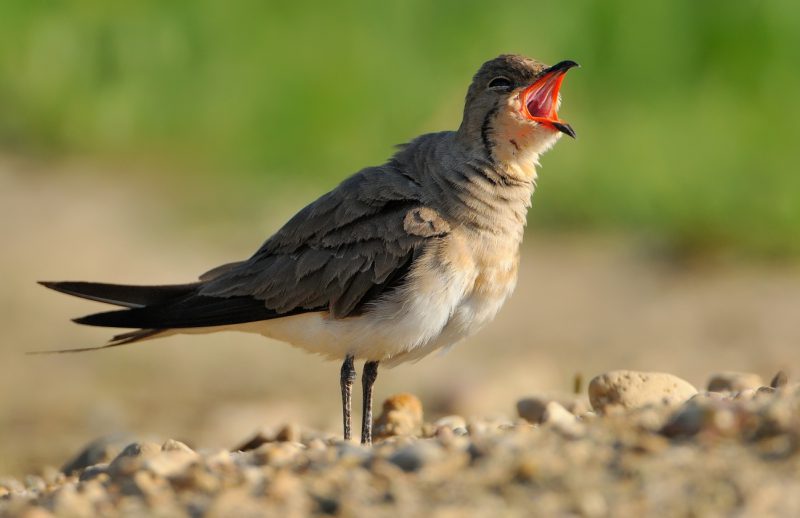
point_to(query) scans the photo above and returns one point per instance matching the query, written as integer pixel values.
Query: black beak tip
(563, 66)
(565, 128)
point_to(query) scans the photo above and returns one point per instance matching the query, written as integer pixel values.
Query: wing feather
(341, 252)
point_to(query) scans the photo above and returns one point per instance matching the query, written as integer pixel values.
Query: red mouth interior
(540, 99)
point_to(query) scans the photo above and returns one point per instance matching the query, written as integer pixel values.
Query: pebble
(99, 450)
(532, 408)
(780, 380)
(173, 445)
(615, 464)
(169, 463)
(93, 472)
(401, 415)
(451, 421)
(561, 419)
(132, 457)
(414, 457)
(275, 453)
(288, 433)
(68, 502)
(625, 390)
(36, 512)
(733, 381)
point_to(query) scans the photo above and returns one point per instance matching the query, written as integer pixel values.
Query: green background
(686, 111)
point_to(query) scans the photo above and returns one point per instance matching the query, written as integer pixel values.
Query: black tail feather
(116, 341)
(120, 294)
(192, 311)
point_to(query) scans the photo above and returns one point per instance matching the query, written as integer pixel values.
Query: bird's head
(512, 105)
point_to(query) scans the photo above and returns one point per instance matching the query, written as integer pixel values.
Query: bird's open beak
(540, 100)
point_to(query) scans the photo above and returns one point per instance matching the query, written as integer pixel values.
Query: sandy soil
(582, 306)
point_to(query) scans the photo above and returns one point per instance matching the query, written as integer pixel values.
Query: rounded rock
(414, 457)
(173, 445)
(402, 415)
(170, 463)
(98, 451)
(562, 420)
(450, 421)
(626, 390)
(288, 433)
(532, 408)
(733, 381)
(132, 458)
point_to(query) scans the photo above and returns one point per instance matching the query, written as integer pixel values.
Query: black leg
(367, 380)
(347, 378)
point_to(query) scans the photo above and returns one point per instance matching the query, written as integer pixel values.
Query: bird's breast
(456, 285)
(494, 264)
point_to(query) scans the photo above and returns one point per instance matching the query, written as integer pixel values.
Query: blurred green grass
(687, 112)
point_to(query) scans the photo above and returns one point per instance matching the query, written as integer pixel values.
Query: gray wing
(340, 252)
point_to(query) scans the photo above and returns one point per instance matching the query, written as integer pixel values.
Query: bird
(396, 262)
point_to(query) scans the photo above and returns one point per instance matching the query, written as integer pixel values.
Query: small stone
(402, 415)
(92, 472)
(649, 418)
(630, 389)
(36, 512)
(444, 434)
(450, 421)
(687, 421)
(717, 416)
(173, 445)
(68, 502)
(35, 483)
(477, 427)
(276, 454)
(143, 483)
(708, 395)
(237, 502)
(132, 457)
(317, 444)
(94, 491)
(779, 380)
(220, 460)
(260, 437)
(592, 503)
(734, 381)
(169, 463)
(764, 393)
(100, 450)
(532, 408)
(289, 433)
(428, 430)
(414, 457)
(197, 478)
(562, 420)
(352, 453)
(745, 395)
(776, 417)
(52, 475)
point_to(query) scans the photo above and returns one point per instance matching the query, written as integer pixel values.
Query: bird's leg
(348, 377)
(367, 380)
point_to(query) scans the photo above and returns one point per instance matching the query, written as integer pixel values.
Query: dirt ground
(584, 305)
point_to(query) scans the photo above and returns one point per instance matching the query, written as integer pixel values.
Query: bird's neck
(473, 190)
(510, 145)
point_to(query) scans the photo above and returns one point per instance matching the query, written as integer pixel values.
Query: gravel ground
(634, 443)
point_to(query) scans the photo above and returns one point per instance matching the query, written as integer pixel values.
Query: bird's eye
(500, 83)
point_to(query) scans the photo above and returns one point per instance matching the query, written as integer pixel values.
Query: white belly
(450, 294)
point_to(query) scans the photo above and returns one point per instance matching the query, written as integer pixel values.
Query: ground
(583, 306)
